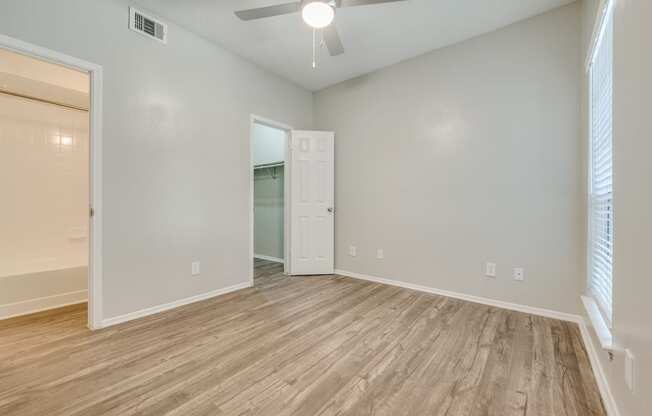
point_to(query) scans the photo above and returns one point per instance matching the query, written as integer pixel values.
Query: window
(601, 213)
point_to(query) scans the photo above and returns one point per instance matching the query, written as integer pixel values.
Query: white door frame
(255, 119)
(95, 160)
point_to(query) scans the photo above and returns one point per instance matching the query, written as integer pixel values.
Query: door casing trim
(95, 310)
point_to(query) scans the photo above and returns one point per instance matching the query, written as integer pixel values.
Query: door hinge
(91, 212)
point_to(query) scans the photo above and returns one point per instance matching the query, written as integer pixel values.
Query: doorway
(269, 147)
(50, 106)
(292, 198)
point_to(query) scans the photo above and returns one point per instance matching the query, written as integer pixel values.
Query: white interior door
(312, 185)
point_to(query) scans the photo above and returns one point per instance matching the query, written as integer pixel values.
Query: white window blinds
(601, 229)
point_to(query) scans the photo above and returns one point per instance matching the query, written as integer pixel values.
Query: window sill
(600, 327)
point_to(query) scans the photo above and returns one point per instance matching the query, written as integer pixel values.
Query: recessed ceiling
(373, 36)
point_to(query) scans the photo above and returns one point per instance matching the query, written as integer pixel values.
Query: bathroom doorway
(49, 141)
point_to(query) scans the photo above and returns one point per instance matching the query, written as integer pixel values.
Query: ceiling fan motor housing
(317, 14)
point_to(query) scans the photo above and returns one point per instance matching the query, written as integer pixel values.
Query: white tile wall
(43, 187)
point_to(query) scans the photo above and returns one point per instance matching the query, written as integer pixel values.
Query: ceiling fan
(318, 14)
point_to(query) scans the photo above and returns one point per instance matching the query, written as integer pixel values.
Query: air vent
(147, 25)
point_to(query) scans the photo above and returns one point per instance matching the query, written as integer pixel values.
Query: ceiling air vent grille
(148, 26)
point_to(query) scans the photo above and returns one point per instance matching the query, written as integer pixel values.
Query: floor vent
(148, 26)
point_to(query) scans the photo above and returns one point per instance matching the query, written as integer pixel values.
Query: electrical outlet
(519, 274)
(195, 268)
(353, 251)
(380, 254)
(630, 372)
(490, 270)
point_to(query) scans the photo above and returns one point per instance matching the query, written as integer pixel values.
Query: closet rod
(42, 100)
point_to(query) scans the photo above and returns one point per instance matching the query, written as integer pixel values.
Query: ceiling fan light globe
(318, 14)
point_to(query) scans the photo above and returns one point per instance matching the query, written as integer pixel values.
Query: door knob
(330, 209)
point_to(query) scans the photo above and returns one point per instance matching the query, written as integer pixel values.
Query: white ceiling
(373, 36)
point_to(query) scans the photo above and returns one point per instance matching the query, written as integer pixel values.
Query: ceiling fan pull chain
(314, 53)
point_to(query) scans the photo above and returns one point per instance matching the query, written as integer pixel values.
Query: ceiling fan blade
(351, 3)
(333, 41)
(269, 11)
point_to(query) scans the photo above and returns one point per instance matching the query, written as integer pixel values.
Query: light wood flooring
(299, 346)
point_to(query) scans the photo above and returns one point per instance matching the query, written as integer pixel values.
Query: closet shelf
(269, 165)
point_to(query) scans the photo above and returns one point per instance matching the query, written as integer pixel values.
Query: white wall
(269, 212)
(269, 144)
(41, 71)
(176, 147)
(633, 199)
(632, 309)
(465, 155)
(25, 76)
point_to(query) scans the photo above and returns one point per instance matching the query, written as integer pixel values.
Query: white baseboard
(269, 258)
(598, 370)
(548, 313)
(27, 307)
(167, 306)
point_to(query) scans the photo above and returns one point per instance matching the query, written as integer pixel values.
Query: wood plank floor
(299, 346)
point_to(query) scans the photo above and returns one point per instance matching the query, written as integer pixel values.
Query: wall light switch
(519, 274)
(380, 254)
(195, 268)
(353, 251)
(490, 269)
